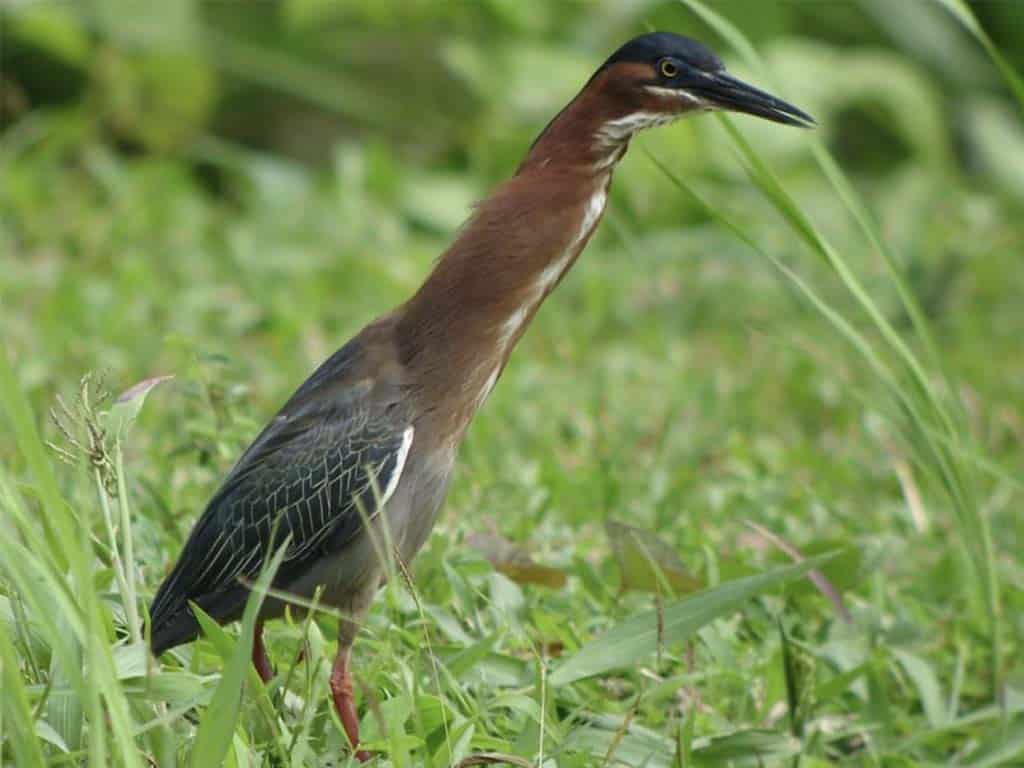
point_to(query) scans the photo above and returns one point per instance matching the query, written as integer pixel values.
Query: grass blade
(622, 645)
(18, 715)
(965, 16)
(216, 731)
(920, 410)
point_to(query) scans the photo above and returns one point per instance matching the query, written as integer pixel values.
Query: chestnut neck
(578, 136)
(456, 333)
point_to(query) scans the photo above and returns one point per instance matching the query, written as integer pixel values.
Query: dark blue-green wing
(326, 463)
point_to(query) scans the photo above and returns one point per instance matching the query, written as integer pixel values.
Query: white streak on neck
(486, 375)
(488, 385)
(595, 207)
(553, 272)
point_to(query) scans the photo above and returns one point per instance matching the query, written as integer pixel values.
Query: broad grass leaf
(45, 732)
(16, 712)
(430, 712)
(926, 681)
(641, 746)
(219, 638)
(1004, 747)
(456, 746)
(175, 688)
(215, 732)
(648, 564)
(449, 625)
(839, 684)
(386, 722)
(501, 670)
(749, 747)
(626, 643)
(506, 596)
(466, 660)
(638, 747)
(67, 713)
(239, 754)
(131, 660)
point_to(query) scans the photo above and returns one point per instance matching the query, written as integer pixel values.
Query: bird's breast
(413, 510)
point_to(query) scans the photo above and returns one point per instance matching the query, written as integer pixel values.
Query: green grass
(755, 353)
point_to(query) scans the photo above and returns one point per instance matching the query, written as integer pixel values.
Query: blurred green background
(457, 85)
(226, 191)
(412, 111)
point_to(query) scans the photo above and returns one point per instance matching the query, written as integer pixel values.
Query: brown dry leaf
(514, 562)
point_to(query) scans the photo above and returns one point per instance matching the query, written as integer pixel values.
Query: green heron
(369, 440)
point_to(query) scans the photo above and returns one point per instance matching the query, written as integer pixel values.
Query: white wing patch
(396, 474)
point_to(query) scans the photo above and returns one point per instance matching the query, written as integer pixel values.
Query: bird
(364, 449)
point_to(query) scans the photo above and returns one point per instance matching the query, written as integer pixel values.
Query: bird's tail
(179, 628)
(173, 622)
(170, 618)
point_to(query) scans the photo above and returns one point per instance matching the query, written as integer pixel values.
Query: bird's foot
(344, 704)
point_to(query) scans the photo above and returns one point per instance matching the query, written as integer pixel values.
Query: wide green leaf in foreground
(638, 636)
(216, 731)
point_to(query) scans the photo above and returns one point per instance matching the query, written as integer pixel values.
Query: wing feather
(305, 478)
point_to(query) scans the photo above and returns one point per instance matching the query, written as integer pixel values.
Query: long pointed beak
(726, 92)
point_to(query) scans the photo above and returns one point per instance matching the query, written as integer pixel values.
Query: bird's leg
(344, 705)
(260, 660)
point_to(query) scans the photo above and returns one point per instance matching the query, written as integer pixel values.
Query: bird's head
(659, 77)
(652, 80)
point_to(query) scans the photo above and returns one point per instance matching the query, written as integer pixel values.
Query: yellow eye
(668, 68)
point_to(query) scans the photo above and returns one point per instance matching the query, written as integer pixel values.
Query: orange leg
(341, 691)
(260, 660)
